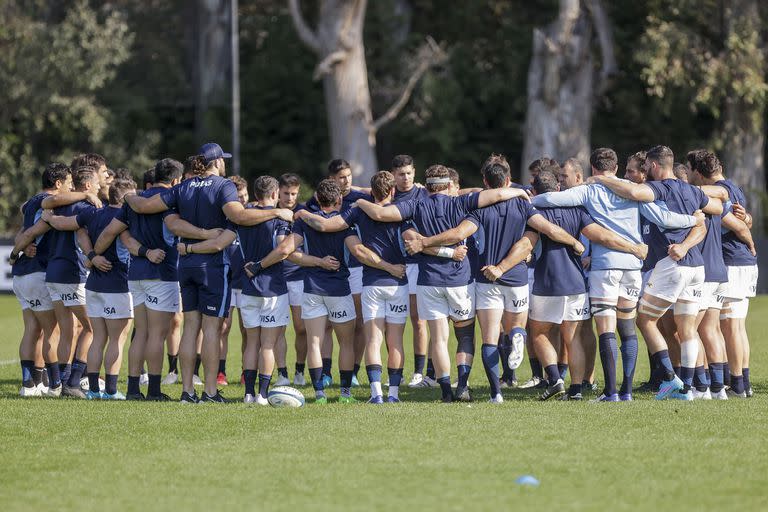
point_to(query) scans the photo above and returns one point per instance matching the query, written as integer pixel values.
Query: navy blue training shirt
(292, 271)
(415, 194)
(711, 249)
(26, 265)
(116, 280)
(65, 259)
(679, 197)
(199, 201)
(152, 233)
(383, 238)
(255, 243)
(735, 252)
(347, 202)
(317, 280)
(501, 226)
(432, 216)
(558, 270)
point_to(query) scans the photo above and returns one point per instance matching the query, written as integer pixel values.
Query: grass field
(645, 455)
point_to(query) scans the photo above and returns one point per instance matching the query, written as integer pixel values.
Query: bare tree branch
(602, 26)
(324, 66)
(306, 34)
(431, 54)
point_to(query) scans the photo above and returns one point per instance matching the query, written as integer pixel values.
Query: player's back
(735, 252)
(65, 263)
(116, 279)
(383, 238)
(558, 268)
(31, 210)
(255, 243)
(318, 280)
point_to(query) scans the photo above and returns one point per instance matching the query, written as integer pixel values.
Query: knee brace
(626, 327)
(686, 308)
(603, 310)
(465, 336)
(651, 310)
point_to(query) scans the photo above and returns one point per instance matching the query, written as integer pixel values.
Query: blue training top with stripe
(116, 279)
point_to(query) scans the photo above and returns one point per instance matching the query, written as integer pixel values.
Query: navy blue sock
(536, 369)
(264, 384)
(395, 376)
(249, 376)
(464, 370)
(198, 362)
(430, 369)
(54, 377)
(445, 386)
(327, 366)
(716, 376)
(678, 371)
(110, 384)
(64, 370)
(355, 369)
(608, 353)
(563, 369)
(737, 383)
(745, 374)
(419, 360)
(283, 372)
(223, 366)
(726, 374)
(93, 381)
(490, 355)
(153, 388)
(664, 365)
(686, 375)
(553, 374)
(628, 335)
(78, 369)
(507, 373)
(300, 368)
(27, 370)
(316, 376)
(700, 378)
(173, 363)
(345, 378)
(133, 385)
(374, 372)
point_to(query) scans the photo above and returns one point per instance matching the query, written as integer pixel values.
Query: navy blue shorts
(206, 289)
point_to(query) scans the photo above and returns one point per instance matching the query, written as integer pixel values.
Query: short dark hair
(83, 175)
(440, 172)
(54, 171)
(662, 155)
(337, 165)
(328, 193)
(94, 160)
(543, 164)
(604, 159)
(263, 186)
(382, 184)
(121, 173)
(289, 179)
(119, 188)
(454, 175)
(680, 171)
(148, 178)
(402, 161)
(705, 163)
(544, 182)
(194, 165)
(167, 170)
(239, 182)
(495, 171)
(576, 164)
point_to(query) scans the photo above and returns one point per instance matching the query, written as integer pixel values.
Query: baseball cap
(211, 151)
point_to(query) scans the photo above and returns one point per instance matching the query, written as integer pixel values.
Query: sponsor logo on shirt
(200, 184)
(210, 308)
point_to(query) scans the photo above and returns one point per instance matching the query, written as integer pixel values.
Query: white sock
(689, 351)
(376, 388)
(394, 391)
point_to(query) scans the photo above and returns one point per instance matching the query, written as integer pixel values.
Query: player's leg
(434, 307)
(395, 328)
(344, 308)
(188, 353)
(96, 356)
(419, 328)
(359, 339)
(281, 355)
(113, 357)
(50, 339)
(604, 290)
(27, 352)
(84, 339)
(159, 326)
(300, 345)
(626, 311)
(251, 361)
(226, 327)
(211, 327)
(172, 341)
(66, 322)
(542, 334)
(588, 343)
(274, 315)
(315, 315)
(490, 328)
(137, 350)
(327, 352)
(374, 333)
(461, 300)
(650, 310)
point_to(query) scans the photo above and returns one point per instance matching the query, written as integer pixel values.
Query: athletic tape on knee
(603, 310)
(465, 336)
(686, 308)
(739, 309)
(651, 310)
(627, 310)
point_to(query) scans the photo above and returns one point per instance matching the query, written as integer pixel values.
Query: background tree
(562, 82)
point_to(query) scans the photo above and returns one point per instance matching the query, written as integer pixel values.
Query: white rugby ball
(285, 396)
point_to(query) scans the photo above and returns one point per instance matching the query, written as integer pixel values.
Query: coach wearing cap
(213, 154)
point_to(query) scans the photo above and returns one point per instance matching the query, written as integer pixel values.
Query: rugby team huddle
(666, 250)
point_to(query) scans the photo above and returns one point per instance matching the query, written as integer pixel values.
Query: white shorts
(435, 302)
(110, 306)
(236, 300)
(32, 293)
(337, 309)
(672, 282)
(71, 294)
(388, 302)
(356, 280)
(712, 296)
(295, 291)
(556, 310)
(497, 296)
(412, 274)
(264, 311)
(614, 283)
(156, 295)
(742, 283)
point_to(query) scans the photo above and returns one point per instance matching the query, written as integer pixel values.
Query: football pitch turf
(646, 455)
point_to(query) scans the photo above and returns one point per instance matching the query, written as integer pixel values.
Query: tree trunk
(744, 122)
(562, 84)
